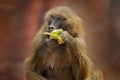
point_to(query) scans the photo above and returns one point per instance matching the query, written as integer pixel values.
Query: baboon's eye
(51, 16)
(62, 18)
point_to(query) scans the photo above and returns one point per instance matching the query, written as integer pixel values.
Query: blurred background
(21, 19)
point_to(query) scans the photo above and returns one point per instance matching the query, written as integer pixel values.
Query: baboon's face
(62, 18)
(56, 22)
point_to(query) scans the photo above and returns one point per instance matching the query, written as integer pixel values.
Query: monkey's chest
(56, 65)
(58, 71)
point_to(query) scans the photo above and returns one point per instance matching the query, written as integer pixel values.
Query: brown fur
(70, 59)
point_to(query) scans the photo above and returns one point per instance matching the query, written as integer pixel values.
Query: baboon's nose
(51, 27)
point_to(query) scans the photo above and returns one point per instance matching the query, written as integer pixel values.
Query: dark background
(21, 19)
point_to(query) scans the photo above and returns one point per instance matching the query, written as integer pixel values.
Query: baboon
(68, 61)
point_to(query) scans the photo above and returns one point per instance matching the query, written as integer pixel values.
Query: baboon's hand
(66, 37)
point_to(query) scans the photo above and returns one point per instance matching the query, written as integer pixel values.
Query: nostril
(48, 27)
(51, 27)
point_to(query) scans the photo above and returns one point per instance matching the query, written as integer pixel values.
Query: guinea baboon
(52, 61)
